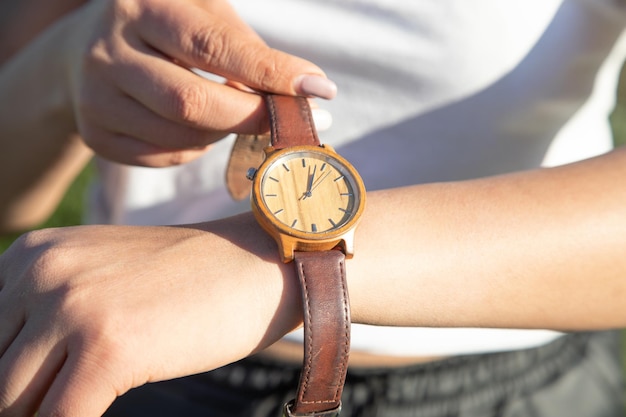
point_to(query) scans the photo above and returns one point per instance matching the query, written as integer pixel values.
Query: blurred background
(70, 211)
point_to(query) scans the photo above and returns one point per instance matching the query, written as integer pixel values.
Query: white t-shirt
(429, 90)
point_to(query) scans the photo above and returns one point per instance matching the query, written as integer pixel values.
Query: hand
(136, 99)
(86, 313)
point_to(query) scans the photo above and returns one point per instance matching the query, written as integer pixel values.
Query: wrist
(252, 256)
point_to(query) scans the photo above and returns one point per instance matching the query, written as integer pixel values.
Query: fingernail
(315, 86)
(322, 119)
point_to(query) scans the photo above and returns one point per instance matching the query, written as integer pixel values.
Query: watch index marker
(306, 199)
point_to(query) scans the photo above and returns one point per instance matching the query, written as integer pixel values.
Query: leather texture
(323, 284)
(247, 152)
(291, 122)
(326, 331)
(294, 127)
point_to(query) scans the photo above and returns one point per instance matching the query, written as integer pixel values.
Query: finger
(183, 97)
(206, 41)
(120, 113)
(131, 148)
(12, 315)
(82, 388)
(132, 151)
(239, 86)
(28, 368)
(12, 319)
(226, 12)
(321, 117)
(8, 261)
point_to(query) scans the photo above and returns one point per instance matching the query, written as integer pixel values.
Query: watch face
(310, 191)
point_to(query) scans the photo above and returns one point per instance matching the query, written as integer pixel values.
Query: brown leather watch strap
(294, 127)
(326, 333)
(291, 122)
(247, 152)
(323, 285)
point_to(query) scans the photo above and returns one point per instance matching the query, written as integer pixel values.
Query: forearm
(23, 20)
(40, 152)
(538, 249)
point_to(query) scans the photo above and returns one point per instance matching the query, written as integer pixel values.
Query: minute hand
(319, 181)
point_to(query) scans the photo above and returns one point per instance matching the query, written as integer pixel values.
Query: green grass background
(70, 210)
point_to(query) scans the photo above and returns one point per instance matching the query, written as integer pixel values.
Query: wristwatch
(310, 200)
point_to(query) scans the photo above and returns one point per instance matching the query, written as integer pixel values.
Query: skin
(117, 82)
(86, 313)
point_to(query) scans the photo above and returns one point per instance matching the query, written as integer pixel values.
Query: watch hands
(309, 186)
(319, 181)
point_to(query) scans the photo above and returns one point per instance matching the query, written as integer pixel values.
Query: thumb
(224, 45)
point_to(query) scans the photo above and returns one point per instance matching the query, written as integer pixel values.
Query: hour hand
(309, 185)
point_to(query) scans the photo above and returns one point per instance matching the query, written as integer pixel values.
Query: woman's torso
(429, 90)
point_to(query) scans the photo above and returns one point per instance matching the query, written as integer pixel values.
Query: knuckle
(102, 47)
(189, 103)
(162, 160)
(44, 260)
(176, 158)
(99, 331)
(125, 10)
(267, 69)
(37, 243)
(97, 53)
(31, 239)
(168, 159)
(269, 73)
(45, 269)
(209, 46)
(100, 339)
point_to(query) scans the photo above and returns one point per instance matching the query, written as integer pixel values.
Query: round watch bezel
(270, 222)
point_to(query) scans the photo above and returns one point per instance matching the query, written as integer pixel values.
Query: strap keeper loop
(328, 413)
